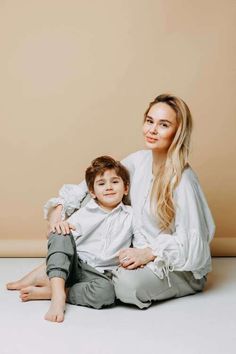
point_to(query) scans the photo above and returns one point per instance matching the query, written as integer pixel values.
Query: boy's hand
(132, 258)
(61, 227)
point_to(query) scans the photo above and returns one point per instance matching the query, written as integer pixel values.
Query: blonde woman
(172, 257)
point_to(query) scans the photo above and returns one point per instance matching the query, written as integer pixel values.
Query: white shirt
(101, 234)
(183, 248)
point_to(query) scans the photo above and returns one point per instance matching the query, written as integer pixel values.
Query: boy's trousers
(86, 286)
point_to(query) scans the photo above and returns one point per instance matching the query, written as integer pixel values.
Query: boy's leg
(58, 300)
(95, 289)
(60, 261)
(59, 250)
(37, 277)
(61, 258)
(86, 286)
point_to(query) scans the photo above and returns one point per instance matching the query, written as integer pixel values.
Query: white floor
(199, 324)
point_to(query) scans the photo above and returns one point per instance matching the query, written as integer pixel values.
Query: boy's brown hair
(100, 165)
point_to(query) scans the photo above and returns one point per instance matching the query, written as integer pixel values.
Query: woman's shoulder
(189, 180)
(189, 176)
(138, 156)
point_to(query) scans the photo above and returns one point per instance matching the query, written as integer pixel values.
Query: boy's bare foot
(37, 277)
(36, 293)
(56, 309)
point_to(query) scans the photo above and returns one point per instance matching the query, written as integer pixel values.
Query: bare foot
(37, 277)
(36, 293)
(56, 309)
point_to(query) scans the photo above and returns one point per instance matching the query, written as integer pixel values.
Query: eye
(116, 181)
(101, 183)
(149, 120)
(164, 125)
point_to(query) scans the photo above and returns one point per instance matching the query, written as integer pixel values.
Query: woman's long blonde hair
(170, 172)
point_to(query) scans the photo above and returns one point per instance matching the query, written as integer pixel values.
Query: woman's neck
(158, 159)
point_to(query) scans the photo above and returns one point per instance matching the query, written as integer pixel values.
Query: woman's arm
(56, 224)
(132, 258)
(187, 249)
(56, 210)
(140, 254)
(70, 198)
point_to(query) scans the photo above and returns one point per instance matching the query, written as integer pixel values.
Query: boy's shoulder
(127, 208)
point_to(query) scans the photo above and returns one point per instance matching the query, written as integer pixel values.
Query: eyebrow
(161, 120)
(103, 179)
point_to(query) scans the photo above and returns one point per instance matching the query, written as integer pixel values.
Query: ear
(92, 194)
(126, 191)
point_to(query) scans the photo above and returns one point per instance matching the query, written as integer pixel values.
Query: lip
(109, 195)
(151, 140)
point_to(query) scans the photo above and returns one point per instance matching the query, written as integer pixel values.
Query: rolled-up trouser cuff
(57, 274)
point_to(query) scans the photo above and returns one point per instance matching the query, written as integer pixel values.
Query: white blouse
(185, 247)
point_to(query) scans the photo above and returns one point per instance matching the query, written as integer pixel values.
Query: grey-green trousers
(141, 286)
(86, 286)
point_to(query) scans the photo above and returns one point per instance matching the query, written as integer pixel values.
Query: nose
(108, 186)
(153, 128)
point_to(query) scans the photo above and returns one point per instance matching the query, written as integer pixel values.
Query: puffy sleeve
(187, 248)
(138, 240)
(130, 162)
(70, 197)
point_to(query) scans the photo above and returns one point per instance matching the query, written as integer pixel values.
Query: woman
(170, 210)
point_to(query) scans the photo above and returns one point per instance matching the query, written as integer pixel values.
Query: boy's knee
(95, 294)
(105, 294)
(60, 243)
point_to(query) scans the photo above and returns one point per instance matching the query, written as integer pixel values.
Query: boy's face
(109, 189)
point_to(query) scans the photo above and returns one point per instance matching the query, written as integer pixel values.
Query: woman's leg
(141, 286)
(37, 277)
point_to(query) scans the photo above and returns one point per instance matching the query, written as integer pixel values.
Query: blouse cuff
(162, 268)
(167, 255)
(52, 203)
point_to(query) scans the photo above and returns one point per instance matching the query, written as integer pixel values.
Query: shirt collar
(92, 205)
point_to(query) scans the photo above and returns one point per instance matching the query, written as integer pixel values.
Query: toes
(24, 294)
(26, 290)
(24, 298)
(60, 318)
(54, 316)
(11, 286)
(50, 317)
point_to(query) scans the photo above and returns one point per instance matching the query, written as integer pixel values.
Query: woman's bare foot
(56, 309)
(37, 277)
(36, 293)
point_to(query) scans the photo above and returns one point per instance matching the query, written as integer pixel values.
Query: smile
(151, 140)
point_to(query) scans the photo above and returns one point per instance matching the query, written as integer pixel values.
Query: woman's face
(159, 127)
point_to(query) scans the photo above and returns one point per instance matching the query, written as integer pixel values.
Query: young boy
(82, 262)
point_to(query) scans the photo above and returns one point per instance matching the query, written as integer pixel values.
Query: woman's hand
(60, 227)
(132, 258)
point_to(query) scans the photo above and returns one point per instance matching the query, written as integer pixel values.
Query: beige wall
(76, 77)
